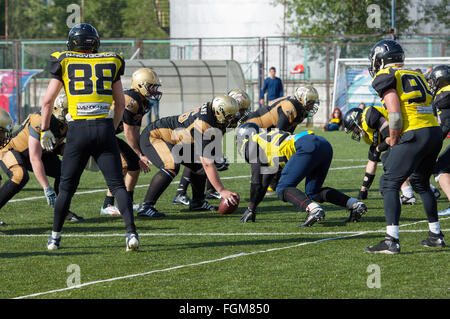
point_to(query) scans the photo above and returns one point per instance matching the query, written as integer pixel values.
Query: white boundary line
(177, 182)
(204, 262)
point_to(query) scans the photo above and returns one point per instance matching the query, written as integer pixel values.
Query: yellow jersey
(414, 94)
(277, 146)
(366, 122)
(88, 80)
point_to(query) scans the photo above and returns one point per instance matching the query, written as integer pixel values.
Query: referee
(92, 82)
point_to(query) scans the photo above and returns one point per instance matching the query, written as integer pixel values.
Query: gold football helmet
(226, 109)
(309, 98)
(6, 127)
(146, 82)
(60, 107)
(244, 103)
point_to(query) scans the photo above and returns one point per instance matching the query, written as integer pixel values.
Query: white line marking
(200, 263)
(146, 185)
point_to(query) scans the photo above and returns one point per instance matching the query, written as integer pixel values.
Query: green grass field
(206, 255)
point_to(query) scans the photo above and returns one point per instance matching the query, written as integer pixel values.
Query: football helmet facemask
(226, 110)
(439, 77)
(383, 53)
(352, 123)
(309, 98)
(60, 107)
(83, 37)
(6, 127)
(243, 133)
(146, 82)
(244, 105)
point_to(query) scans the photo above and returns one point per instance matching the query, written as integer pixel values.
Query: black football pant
(414, 157)
(94, 138)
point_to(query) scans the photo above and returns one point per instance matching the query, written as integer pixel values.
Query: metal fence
(316, 56)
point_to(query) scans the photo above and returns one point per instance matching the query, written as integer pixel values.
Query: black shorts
(129, 158)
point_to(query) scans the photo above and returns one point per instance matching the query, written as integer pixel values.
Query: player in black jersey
(192, 139)
(144, 88)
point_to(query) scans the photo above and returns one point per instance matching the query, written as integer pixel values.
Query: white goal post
(353, 83)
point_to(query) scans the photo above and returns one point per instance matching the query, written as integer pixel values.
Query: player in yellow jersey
(439, 81)
(373, 127)
(415, 141)
(298, 157)
(92, 82)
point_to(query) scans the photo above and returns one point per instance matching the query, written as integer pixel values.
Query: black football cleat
(181, 199)
(202, 206)
(212, 194)
(434, 240)
(313, 216)
(358, 209)
(74, 218)
(149, 211)
(389, 245)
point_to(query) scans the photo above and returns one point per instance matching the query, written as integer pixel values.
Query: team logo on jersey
(92, 109)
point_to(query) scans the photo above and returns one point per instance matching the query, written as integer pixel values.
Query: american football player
(6, 128)
(373, 127)
(192, 139)
(144, 88)
(24, 153)
(92, 81)
(222, 163)
(414, 140)
(298, 156)
(439, 81)
(285, 114)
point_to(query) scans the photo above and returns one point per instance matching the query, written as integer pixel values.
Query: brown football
(224, 209)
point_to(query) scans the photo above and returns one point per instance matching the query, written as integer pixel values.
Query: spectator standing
(274, 87)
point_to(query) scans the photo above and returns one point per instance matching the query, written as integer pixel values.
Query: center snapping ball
(225, 209)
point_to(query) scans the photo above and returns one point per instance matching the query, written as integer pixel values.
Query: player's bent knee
(20, 175)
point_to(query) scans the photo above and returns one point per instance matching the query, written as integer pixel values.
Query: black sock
(333, 196)
(296, 197)
(109, 200)
(157, 186)
(184, 181)
(131, 194)
(198, 187)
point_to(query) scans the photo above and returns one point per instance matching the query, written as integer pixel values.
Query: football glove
(374, 155)
(362, 195)
(48, 140)
(50, 195)
(248, 214)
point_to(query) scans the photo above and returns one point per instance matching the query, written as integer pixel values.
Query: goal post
(353, 83)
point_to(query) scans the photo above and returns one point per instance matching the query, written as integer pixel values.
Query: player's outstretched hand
(229, 197)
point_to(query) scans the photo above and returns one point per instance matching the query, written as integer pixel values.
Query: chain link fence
(298, 60)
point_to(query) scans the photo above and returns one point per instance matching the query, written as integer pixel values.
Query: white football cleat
(110, 210)
(132, 240)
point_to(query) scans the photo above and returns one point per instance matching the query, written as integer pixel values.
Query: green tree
(139, 20)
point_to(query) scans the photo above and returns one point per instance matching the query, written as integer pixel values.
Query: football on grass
(225, 209)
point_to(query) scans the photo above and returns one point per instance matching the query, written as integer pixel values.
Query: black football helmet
(83, 37)
(244, 132)
(439, 77)
(385, 52)
(352, 123)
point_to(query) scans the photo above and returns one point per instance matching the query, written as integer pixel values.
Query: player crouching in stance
(91, 81)
(299, 156)
(415, 141)
(189, 139)
(439, 81)
(24, 153)
(6, 128)
(144, 89)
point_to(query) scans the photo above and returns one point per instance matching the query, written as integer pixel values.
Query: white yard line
(177, 182)
(91, 283)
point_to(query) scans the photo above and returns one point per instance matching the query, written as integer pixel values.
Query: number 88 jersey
(88, 80)
(413, 92)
